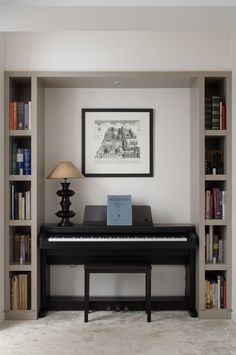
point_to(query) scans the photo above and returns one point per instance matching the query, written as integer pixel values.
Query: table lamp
(65, 170)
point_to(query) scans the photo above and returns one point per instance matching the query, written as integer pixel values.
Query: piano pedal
(108, 307)
(117, 308)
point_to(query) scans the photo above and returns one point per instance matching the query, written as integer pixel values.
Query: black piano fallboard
(157, 244)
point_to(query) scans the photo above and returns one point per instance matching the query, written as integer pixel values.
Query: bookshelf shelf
(20, 133)
(215, 314)
(20, 178)
(17, 222)
(216, 267)
(215, 222)
(19, 267)
(216, 133)
(21, 315)
(217, 177)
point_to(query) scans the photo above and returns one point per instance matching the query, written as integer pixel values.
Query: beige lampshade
(65, 170)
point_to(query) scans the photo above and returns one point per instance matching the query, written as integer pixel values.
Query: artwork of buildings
(119, 143)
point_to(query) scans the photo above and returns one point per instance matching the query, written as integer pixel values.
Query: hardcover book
(119, 210)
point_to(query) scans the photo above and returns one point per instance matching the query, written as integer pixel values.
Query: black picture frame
(117, 142)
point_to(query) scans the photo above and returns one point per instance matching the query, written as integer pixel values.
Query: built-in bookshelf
(21, 195)
(212, 211)
(210, 178)
(217, 195)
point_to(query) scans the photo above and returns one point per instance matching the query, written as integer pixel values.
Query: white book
(210, 244)
(207, 246)
(30, 115)
(218, 291)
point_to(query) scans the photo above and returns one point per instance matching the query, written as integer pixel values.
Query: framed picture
(117, 142)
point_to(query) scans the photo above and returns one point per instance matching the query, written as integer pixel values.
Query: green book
(215, 112)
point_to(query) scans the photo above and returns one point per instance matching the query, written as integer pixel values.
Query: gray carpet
(113, 333)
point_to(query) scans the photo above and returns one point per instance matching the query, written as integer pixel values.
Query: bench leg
(86, 296)
(148, 295)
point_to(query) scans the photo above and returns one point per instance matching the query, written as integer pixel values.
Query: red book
(223, 116)
(11, 115)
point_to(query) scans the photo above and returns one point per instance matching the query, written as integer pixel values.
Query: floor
(113, 333)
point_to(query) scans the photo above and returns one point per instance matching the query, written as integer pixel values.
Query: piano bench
(104, 268)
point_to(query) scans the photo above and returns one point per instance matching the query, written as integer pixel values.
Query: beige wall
(1, 178)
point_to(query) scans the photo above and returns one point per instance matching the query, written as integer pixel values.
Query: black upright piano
(94, 241)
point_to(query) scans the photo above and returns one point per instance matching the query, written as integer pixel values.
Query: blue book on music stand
(119, 210)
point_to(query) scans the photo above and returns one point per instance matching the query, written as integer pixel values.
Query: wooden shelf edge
(19, 267)
(219, 177)
(15, 223)
(215, 222)
(21, 315)
(216, 267)
(20, 133)
(20, 177)
(215, 132)
(215, 314)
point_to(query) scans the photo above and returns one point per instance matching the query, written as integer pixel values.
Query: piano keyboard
(118, 238)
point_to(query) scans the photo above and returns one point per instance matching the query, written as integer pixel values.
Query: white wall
(164, 192)
(1, 177)
(120, 51)
(117, 51)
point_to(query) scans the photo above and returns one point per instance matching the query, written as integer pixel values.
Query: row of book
(215, 292)
(213, 248)
(20, 284)
(214, 162)
(215, 204)
(21, 160)
(20, 204)
(215, 113)
(20, 115)
(21, 248)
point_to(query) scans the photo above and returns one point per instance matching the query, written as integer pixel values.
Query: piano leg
(190, 284)
(86, 295)
(148, 295)
(45, 283)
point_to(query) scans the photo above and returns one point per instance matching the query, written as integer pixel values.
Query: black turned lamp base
(65, 214)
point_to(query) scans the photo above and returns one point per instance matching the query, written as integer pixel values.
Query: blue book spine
(26, 161)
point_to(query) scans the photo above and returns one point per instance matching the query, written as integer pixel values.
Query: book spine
(221, 251)
(215, 112)
(19, 161)
(26, 116)
(223, 116)
(208, 113)
(15, 115)
(30, 115)
(20, 115)
(14, 158)
(11, 116)
(215, 248)
(26, 161)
